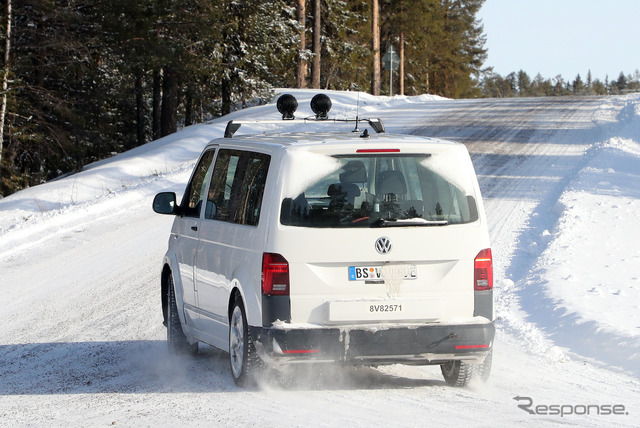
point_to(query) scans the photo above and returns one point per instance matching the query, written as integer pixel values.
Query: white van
(343, 247)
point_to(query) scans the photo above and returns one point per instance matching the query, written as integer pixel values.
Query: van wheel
(176, 339)
(456, 373)
(483, 371)
(242, 353)
(459, 373)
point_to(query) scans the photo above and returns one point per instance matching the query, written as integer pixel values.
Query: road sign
(391, 59)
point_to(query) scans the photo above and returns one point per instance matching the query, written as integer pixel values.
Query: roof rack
(287, 105)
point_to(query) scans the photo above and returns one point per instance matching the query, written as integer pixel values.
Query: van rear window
(385, 190)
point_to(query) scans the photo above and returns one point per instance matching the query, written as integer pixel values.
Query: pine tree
(599, 88)
(406, 26)
(619, 85)
(463, 53)
(54, 125)
(444, 44)
(345, 52)
(524, 84)
(578, 87)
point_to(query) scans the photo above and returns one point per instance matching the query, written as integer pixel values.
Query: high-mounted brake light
(378, 151)
(483, 271)
(275, 275)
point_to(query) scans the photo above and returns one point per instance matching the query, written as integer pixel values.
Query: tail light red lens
(275, 275)
(483, 271)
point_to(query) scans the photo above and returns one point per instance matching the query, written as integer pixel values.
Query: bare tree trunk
(139, 109)
(302, 63)
(188, 106)
(317, 29)
(168, 112)
(427, 82)
(5, 78)
(402, 63)
(157, 103)
(375, 30)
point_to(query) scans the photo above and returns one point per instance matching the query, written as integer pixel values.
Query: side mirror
(165, 203)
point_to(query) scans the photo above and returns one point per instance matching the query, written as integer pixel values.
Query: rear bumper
(376, 344)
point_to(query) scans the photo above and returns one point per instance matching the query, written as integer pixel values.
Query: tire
(243, 360)
(483, 370)
(459, 373)
(176, 339)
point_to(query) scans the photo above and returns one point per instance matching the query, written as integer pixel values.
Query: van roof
(360, 139)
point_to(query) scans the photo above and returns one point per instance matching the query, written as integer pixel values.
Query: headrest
(346, 190)
(391, 182)
(354, 172)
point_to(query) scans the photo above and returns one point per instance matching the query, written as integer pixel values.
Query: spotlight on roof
(321, 104)
(287, 105)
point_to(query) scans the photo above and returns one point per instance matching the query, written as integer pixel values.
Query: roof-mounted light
(287, 106)
(321, 105)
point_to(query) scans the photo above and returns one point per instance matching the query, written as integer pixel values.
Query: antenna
(357, 114)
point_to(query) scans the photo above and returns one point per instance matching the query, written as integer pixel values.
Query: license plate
(385, 310)
(376, 273)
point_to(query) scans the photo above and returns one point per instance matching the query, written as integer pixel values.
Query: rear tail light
(275, 275)
(483, 271)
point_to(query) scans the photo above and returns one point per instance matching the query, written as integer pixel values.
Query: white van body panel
(319, 271)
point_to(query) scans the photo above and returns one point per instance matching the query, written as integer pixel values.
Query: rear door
(386, 236)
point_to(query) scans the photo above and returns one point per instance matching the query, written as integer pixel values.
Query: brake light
(483, 271)
(275, 275)
(378, 151)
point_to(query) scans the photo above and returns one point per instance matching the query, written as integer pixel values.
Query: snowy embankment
(82, 341)
(584, 290)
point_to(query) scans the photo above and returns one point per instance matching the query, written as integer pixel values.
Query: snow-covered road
(82, 342)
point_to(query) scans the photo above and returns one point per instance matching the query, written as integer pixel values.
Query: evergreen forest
(83, 80)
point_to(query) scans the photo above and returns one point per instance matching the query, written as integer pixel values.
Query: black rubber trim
(275, 308)
(483, 304)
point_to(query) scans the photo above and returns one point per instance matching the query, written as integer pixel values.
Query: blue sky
(566, 37)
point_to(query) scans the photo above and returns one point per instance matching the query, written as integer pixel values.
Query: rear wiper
(393, 222)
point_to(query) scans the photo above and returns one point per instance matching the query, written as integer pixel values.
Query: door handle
(194, 228)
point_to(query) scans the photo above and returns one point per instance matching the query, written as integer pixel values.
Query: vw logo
(383, 245)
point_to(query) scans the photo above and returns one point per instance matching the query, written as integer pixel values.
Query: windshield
(386, 191)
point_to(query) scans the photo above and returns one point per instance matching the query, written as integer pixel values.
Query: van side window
(237, 186)
(222, 178)
(195, 192)
(251, 189)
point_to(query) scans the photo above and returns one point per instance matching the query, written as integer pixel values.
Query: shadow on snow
(146, 366)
